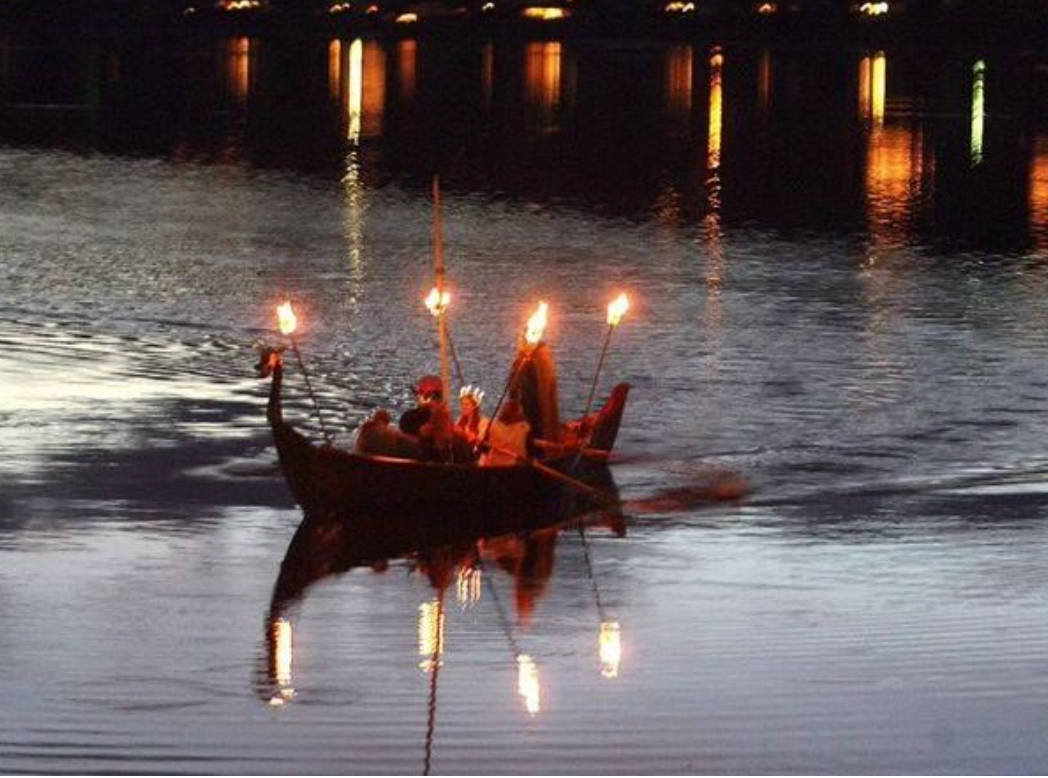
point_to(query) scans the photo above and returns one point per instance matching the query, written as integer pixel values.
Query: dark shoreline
(965, 32)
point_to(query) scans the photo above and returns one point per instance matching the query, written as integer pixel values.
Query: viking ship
(427, 503)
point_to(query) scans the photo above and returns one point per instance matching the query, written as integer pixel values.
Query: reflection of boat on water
(327, 546)
(389, 502)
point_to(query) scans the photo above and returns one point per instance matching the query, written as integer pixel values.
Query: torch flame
(617, 309)
(437, 301)
(536, 324)
(610, 649)
(288, 321)
(528, 682)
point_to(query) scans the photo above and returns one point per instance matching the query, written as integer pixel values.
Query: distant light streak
(356, 89)
(544, 13)
(1039, 192)
(407, 18)
(679, 80)
(873, 87)
(335, 68)
(678, 7)
(874, 9)
(713, 144)
(978, 110)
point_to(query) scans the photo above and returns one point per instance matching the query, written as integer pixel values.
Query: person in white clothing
(509, 435)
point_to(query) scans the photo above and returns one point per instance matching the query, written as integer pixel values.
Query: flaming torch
(533, 332)
(437, 303)
(616, 310)
(288, 324)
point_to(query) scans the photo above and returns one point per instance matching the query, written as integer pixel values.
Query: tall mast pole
(438, 268)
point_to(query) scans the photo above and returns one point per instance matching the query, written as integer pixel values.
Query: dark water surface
(839, 262)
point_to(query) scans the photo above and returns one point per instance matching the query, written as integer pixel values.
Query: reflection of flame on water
(610, 649)
(430, 635)
(282, 662)
(528, 683)
(468, 586)
(537, 324)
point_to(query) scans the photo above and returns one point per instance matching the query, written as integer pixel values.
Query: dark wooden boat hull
(428, 503)
(425, 503)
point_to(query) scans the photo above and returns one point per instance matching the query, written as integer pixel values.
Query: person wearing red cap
(428, 393)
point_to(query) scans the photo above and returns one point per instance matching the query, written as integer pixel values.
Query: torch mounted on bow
(288, 325)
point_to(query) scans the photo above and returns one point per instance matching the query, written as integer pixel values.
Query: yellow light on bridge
(407, 18)
(239, 5)
(544, 13)
(288, 320)
(679, 7)
(766, 9)
(874, 9)
(528, 683)
(537, 324)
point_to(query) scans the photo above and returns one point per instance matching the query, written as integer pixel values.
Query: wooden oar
(599, 495)
(559, 448)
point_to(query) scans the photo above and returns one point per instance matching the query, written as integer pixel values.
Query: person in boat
(509, 436)
(428, 395)
(437, 436)
(471, 424)
(377, 437)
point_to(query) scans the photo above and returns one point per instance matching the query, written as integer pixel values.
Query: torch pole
(455, 359)
(596, 375)
(309, 389)
(438, 269)
(517, 364)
